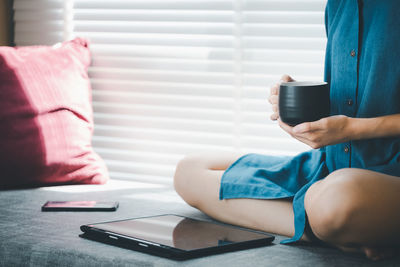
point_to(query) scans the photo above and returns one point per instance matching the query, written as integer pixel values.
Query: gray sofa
(30, 237)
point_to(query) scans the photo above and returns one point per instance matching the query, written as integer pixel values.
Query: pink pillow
(46, 118)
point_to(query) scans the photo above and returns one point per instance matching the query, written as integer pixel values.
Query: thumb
(286, 78)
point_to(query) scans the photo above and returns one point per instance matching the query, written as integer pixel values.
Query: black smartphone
(80, 206)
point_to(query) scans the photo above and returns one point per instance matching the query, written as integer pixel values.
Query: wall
(5, 25)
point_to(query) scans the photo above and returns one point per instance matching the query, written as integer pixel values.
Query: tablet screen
(180, 232)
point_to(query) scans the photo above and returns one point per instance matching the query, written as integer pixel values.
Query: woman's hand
(326, 131)
(274, 96)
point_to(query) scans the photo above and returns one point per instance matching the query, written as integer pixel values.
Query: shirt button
(346, 149)
(349, 102)
(353, 53)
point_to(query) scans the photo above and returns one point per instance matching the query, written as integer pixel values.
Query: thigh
(198, 180)
(361, 207)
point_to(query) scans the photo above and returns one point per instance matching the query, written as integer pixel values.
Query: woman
(346, 191)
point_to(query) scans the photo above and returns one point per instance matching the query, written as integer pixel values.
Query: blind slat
(289, 5)
(165, 136)
(165, 75)
(153, 16)
(283, 17)
(163, 111)
(156, 4)
(159, 39)
(164, 123)
(157, 146)
(163, 100)
(37, 4)
(159, 51)
(189, 28)
(155, 64)
(169, 88)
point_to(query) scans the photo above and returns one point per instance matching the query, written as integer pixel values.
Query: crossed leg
(197, 180)
(350, 208)
(356, 209)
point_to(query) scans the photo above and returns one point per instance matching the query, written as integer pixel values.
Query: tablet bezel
(150, 247)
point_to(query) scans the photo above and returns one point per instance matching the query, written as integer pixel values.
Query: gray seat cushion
(30, 237)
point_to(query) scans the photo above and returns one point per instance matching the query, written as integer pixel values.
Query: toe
(378, 253)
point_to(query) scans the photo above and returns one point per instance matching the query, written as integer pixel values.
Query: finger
(275, 108)
(287, 128)
(313, 139)
(274, 89)
(273, 99)
(286, 78)
(321, 124)
(274, 116)
(302, 128)
(307, 142)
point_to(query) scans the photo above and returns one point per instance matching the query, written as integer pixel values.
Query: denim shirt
(362, 66)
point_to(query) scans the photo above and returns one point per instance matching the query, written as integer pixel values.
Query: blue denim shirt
(362, 67)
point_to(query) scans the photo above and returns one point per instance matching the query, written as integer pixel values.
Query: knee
(181, 174)
(184, 173)
(332, 203)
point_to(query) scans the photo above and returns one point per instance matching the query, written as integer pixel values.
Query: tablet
(174, 236)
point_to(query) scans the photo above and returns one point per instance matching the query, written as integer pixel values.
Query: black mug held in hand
(303, 102)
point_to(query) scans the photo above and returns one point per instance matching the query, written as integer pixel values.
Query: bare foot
(377, 254)
(374, 254)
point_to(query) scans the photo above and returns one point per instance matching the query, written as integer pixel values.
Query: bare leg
(197, 181)
(355, 208)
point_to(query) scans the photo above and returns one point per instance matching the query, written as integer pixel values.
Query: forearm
(366, 128)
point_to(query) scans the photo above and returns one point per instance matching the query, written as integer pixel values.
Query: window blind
(179, 77)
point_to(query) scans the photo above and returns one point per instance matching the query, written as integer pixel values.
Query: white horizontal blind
(186, 76)
(277, 37)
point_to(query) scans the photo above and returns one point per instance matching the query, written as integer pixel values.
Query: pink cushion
(46, 118)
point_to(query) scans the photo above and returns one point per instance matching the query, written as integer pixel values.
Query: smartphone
(80, 206)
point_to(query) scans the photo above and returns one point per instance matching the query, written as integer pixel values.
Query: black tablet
(174, 236)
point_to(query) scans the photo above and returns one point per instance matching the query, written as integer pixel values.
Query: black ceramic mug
(303, 101)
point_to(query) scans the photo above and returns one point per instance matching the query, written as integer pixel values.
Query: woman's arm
(338, 129)
(385, 126)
